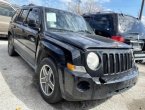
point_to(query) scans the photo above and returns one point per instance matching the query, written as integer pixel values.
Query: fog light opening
(83, 86)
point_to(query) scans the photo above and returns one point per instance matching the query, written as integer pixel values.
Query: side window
(22, 16)
(33, 18)
(6, 10)
(103, 22)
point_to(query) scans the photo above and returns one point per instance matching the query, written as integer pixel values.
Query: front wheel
(49, 81)
(11, 50)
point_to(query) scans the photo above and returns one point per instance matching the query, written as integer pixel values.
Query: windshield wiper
(84, 31)
(60, 29)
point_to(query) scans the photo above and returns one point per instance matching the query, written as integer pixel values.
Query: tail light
(118, 38)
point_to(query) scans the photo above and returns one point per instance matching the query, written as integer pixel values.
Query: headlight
(93, 61)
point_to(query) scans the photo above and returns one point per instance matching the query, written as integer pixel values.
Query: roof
(106, 13)
(7, 3)
(43, 7)
(102, 12)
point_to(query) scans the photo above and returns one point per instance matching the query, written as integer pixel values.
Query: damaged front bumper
(81, 86)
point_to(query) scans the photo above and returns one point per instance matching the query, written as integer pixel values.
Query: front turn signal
(71, 66)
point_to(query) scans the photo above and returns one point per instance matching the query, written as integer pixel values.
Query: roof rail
(31, 4)
(99, 12)
(106, 12)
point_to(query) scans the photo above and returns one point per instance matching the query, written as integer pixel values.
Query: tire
(11, 49)
(48, 81)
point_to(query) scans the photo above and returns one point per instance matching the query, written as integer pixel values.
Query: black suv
(120, 27)
(69, 61)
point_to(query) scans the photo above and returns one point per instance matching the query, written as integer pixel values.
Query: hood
(86, 41)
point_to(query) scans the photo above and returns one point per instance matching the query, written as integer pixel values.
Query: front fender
(46, 49)
(59, 51)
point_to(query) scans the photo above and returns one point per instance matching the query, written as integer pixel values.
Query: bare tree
(74, 7)
(91, 7)
(79, 7)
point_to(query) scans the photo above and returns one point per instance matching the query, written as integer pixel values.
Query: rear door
(18, 30)
(30, 34)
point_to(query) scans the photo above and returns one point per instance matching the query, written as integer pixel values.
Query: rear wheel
(49, 81)
(11, 50)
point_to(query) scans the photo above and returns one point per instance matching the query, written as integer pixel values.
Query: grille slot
(114, 63)
(111, 63)
(117, 63)
(105, 64)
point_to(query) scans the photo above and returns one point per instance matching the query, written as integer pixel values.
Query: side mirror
(33, 24)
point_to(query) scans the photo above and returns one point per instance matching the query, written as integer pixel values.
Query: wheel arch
(48, 50)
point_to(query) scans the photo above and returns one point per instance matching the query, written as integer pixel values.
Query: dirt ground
(19, 92)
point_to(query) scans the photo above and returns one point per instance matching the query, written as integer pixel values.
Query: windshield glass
(60, 20)
(128, 24)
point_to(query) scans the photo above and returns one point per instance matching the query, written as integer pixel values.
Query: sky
(130, 7)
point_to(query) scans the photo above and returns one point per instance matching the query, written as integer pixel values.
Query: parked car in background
(120, 27)
(6, 12)
(69, 60)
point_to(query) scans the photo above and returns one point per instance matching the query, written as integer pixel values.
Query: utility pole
(141, 10)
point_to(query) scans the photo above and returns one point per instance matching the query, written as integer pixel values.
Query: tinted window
(90, 20)
(103, 22)
(128, 24)
(33, 15)
(22, 16)
(6, 10)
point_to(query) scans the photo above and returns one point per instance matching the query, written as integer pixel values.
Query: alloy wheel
(47, 81)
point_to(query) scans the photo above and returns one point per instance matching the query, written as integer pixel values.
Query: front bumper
(81, 86)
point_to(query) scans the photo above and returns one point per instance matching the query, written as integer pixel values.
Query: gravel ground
(19, 92)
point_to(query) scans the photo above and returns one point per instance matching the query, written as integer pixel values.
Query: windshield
(60, 20)
(128, 24)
